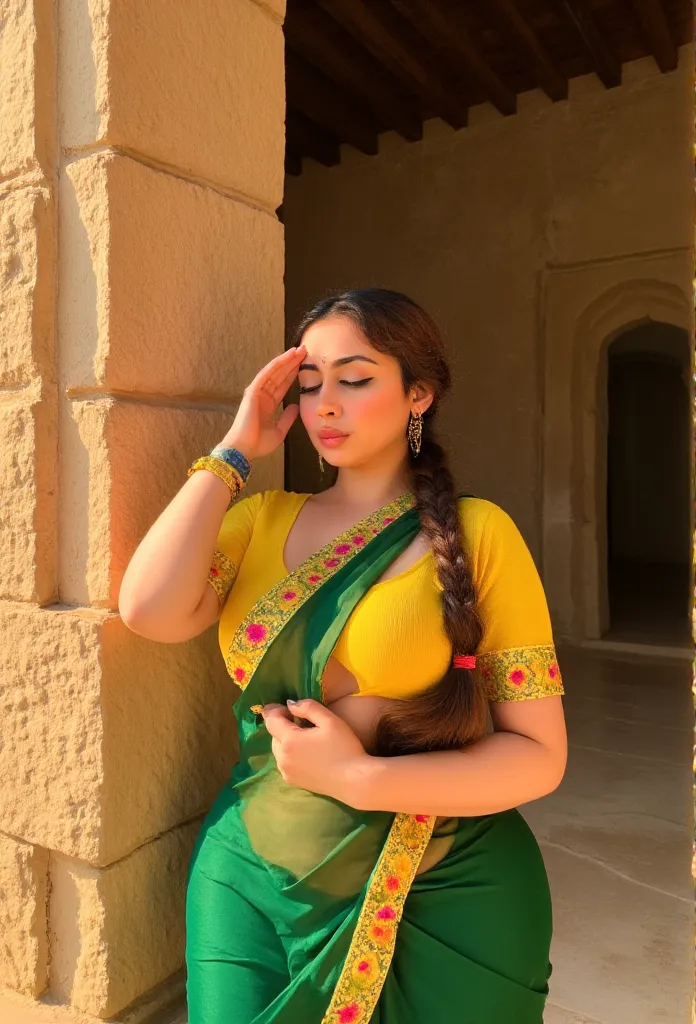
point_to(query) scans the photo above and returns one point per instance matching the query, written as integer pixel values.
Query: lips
(326, 435)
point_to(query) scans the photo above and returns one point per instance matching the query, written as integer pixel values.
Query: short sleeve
(232, 541)
(516, 656)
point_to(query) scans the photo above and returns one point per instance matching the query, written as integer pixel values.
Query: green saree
(303, 910)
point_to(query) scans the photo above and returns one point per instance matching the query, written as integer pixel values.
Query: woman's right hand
(254, 431)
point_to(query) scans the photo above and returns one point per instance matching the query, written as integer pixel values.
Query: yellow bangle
(223, 470)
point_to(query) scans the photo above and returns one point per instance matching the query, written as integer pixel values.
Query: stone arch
(617, 310)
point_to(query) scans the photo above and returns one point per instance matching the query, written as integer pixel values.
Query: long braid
(453, 712)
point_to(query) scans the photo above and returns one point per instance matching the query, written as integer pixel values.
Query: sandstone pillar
(141, 167)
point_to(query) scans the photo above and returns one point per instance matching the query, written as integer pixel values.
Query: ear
(424, 397)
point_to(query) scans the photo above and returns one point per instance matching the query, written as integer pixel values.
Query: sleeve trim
(221, 575)
(521, 673)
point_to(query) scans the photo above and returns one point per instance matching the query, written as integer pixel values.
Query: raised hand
(255, 432)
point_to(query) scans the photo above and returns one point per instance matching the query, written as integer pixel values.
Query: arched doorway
(648, 485)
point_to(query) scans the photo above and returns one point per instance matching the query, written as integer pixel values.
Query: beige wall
(508, 232)
(142, 286)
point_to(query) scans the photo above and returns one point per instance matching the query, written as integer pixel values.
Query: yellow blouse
(394, 641)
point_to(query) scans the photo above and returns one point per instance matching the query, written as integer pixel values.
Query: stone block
(27, 77)
(167, 288)
(23, 926)
(28, 286)
(196, 88)
(28, 516)
(118, 931)
(121, 464)
(109, 739)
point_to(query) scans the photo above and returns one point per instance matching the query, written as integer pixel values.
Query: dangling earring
(415, 432)
(321, 464)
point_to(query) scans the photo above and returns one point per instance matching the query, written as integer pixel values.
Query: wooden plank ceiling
(356, 68)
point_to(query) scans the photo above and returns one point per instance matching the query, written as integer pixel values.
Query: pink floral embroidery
(358, 540)
(349, 1014)
(386, 913)
(330, 562)
(256, 632)
(421, 817)
(392, 883)
(288, 595)
(239, 674)
(214, 571)
(375, 531)
(314, 578)
(342, 549)
(363, 966)
(521, 673)
(389, 519)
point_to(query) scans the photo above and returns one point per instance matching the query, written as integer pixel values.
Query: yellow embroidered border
(521, 673)
(374, 938)
(272, 611)
(221, 575)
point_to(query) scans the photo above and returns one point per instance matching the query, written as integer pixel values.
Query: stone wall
(141, 167)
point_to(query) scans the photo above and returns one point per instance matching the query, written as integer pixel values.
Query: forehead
(337, 336)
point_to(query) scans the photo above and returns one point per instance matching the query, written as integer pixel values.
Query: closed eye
(348, 383)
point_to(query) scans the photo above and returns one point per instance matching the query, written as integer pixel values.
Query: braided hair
(452, 712)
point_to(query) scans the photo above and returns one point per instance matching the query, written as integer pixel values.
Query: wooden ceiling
(356, 68)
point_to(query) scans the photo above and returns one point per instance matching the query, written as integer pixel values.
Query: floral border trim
(374, 938)
(222, 574)
(521, 673)
(271, 612)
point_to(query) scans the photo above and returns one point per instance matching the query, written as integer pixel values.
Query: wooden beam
(312, 33)
(656, 33)
(578, 14)
(374, 31)
(449, 32)
(320, 100)
(306, 137)
(514, 26)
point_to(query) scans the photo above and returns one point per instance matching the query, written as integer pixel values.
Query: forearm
(499, 771)
(166, 576)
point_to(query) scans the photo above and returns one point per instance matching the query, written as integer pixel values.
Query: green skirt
(472, 945)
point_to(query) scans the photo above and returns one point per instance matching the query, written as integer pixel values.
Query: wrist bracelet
(233, 457)
(231, 476)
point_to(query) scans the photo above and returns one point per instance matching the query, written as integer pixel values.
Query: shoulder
(490, 534)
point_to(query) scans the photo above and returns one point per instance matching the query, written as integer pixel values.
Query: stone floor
(616, 838)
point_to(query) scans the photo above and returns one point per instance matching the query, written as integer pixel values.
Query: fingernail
(288, 701)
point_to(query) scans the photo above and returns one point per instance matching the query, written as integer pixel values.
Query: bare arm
(524, 759)
(165, 593)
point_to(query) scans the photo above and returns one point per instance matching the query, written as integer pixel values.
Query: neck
(375, 483)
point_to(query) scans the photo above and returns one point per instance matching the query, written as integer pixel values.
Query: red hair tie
(465, 661)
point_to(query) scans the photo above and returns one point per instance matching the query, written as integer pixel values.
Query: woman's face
(362, 399)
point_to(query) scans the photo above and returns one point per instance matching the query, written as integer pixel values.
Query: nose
(329, 404)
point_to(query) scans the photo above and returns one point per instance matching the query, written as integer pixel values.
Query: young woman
(366, 860)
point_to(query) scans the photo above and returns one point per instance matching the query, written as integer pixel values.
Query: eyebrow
(340, 362)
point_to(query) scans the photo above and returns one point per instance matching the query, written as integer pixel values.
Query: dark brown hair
(453, 711)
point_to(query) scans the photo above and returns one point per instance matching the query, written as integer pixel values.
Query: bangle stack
(229, 464)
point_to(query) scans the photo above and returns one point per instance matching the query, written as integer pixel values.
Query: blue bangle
(233, 457)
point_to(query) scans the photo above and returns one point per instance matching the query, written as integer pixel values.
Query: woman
(366, 860)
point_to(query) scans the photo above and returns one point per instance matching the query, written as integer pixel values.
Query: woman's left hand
(325, 759)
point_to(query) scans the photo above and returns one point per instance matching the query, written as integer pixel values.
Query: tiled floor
(616, 838)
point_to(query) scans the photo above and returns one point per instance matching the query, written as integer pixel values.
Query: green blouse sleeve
(232, 541)
(517, 656)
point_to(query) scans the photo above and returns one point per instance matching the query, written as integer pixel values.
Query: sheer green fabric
(304, 910)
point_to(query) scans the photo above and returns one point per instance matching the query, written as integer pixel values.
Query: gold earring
(321, 464)
(415, 431)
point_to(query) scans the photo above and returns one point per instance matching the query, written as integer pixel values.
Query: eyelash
(349, 383)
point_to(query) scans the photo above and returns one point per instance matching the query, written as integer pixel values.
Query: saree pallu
(301, 909)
